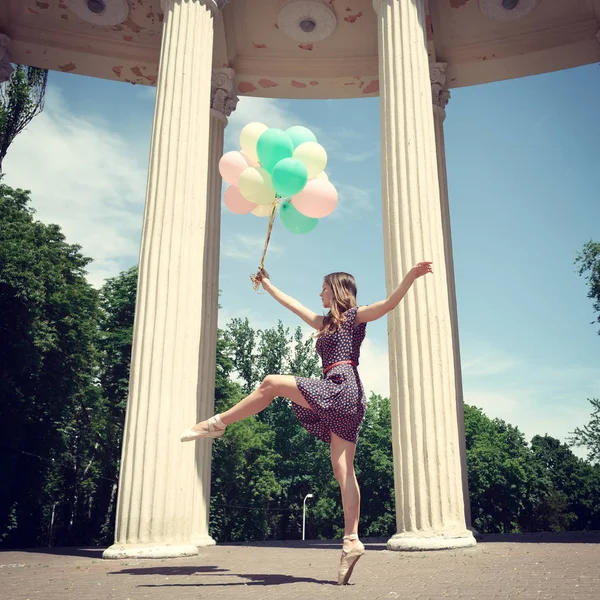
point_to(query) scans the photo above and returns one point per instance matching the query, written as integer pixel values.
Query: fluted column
(440, 96)
(223, 102)
(427, 465)
(156, 484)
(6, 68)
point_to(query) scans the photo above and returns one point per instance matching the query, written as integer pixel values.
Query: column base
(150, 551)
(415, 541)
(201, 541)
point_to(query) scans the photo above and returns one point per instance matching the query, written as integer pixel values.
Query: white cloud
(537, 398)
(357, 156)
(374, 368)
(487, 365)
(525, 409)
(246, 247)
(354, 200)
(86, 179)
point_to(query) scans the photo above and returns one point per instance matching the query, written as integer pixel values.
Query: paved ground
(557, 566)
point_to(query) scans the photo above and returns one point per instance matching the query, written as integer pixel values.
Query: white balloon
(249, 136)
(256, 185)
(262, 210)
(313, 156)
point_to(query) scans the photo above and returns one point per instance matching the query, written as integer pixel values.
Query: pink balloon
(236, 203)
(231, 165)
(318, 199)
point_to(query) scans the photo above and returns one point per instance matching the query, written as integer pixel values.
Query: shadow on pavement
(171, 571)
(95, 553)
(250, 579)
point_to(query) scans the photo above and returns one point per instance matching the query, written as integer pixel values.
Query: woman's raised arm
(366, 314)
(308, 316)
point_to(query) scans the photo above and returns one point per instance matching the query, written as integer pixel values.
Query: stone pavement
(537, 566)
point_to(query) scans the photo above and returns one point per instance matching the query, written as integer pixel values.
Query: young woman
(331, 408)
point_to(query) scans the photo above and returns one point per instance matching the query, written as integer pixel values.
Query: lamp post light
(304, 513)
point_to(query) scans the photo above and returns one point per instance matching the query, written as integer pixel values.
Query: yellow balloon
(322, 175)
(313, 156)
(249, 136)
(256, 186)
(262, 210)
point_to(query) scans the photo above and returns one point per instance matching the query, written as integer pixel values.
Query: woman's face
(326, 296)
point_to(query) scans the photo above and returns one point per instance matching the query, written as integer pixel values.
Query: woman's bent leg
(271, 387)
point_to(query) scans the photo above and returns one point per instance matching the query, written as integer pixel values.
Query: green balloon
(272, 146)
(299, 135)
(295, 221)
(289, 177)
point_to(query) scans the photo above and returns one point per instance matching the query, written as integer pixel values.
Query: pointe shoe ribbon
(349, 559)
(216, 428)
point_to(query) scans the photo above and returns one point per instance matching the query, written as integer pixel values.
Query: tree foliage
(589, 435)
(588, 263)
(48, 319)
(21, 99)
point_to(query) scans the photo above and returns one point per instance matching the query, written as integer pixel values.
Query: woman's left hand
(421, 269)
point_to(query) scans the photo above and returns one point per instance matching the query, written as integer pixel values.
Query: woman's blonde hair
(343, 297)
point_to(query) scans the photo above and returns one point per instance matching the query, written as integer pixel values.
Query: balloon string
(254, 278)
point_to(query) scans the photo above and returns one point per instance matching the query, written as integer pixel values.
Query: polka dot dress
(338, 400)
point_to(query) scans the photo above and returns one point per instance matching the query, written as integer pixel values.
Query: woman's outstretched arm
(375, 311)
(308, 316)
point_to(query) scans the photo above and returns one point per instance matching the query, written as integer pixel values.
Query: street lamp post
(304, 512)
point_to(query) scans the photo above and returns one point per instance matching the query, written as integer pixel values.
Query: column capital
(439, 91)
(214, 5)
(376, 5)
(6, 68)
(223, 97)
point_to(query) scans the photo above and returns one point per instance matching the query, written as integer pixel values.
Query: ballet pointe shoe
(349, 559)
(216, 428)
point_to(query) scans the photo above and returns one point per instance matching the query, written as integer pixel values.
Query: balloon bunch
(278, 169)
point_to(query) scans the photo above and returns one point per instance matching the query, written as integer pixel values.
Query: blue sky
(522, 169)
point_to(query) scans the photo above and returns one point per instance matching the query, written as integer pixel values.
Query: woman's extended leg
(271, 387)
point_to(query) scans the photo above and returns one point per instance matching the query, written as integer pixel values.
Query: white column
(440, 96)
(6, 68)
(156, 484)
(427, 465)
(223, 102)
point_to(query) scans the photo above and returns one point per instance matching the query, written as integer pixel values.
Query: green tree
(114, 343)
(375, 469)
(242, 341)
(243, 461)
(48, 316)
(505, 481)
(21, 99)
(575, 499)
(588, 262)
(589, 435)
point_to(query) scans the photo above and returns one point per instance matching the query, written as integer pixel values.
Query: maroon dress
(337, 400)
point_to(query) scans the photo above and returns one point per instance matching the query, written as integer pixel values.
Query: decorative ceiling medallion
(506, 10)
(306, 21)
(103, 13)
